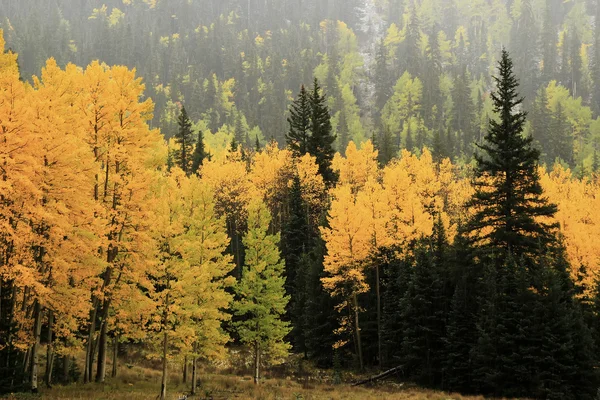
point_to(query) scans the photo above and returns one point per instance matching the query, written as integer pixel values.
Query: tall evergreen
(548, 39)
(300, 124)
(321, 140)
(541, 132)
(463, 113)
(295, 244)
(509, 200)
(342, 133)
(184, 138)
(560, 140)
(199, 153)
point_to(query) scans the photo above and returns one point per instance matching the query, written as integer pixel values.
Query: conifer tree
(541, 131)
(300, 124)
(199, 153)
(560, 140)
(262, 300)
(295, 244)
(509, 199)
(321, 140)
(463, 113)
(548, 44)
(185, 139)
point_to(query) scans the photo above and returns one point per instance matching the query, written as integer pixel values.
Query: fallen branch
(380, 376)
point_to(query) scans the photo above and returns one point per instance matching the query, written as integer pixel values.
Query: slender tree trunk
(163, 385)
(102, 350)
(115, 356)
(194, 373)
(50, 350)
(377, 288)
(89, 351)
(256, 363)
(357, 328)
(37, 329)
(185, 369)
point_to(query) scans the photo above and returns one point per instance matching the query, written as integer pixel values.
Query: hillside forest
(362, 184)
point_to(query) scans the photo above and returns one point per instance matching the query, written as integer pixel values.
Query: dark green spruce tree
(300, 124)
(199, 153)
(509, 200)
(321, 140)
(184, 138)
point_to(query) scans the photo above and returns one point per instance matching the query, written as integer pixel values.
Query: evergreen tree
(295, 242)
(320, 142)
(549, 36)
(182, 156)
(300, 124)
(262, 300)
(509, 199)
(413, 43)
(199, 153)
(560, 141)
(541, 130)
(424, 310)
(385, 147)
(382, 79)
(343, 133)
(463, 113)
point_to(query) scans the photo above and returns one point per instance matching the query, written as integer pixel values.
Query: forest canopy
(363, 183)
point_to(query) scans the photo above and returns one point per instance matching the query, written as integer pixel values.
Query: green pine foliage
(509, 197)
(261, 291)
(184, 138)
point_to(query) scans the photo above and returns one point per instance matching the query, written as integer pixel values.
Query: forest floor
(138, 383)
(140, 380)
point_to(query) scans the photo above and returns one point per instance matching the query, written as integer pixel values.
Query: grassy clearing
(138, 383)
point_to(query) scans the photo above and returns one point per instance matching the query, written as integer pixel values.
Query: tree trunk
(377, 288)
(89, 351)
(113, 373)
(357, 329)
(66, 367)
(163, 385)
(50, 350)
(37, 329)
(185, 369)
(102, 350)
(256, 363)
(194, 372)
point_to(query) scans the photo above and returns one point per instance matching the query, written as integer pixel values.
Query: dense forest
(366, 183)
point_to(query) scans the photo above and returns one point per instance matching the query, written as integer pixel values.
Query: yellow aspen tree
(348, 244)
(204, 247)
(228, 178)
(122, 145)
(271, 172)
(358, 166)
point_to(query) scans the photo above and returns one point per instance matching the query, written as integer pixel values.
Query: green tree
(261, 292)
(320, 142)
(300, 124)
(199, 153)
(560, 140)
(509, 201)
(185, 140)
(463, 113)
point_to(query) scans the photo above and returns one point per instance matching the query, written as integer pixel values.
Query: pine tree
(560, 142)
(262, 300)
(300, 124)
(383, 83)
(541, 131)
(320, 142)
(295, 244)
(549, 44)
(343, 133)
(413, 43)
(185, 139)
(509, 199)
(463, 113)
(199, 153)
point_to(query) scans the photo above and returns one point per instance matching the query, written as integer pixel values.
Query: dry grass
(138, 383)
